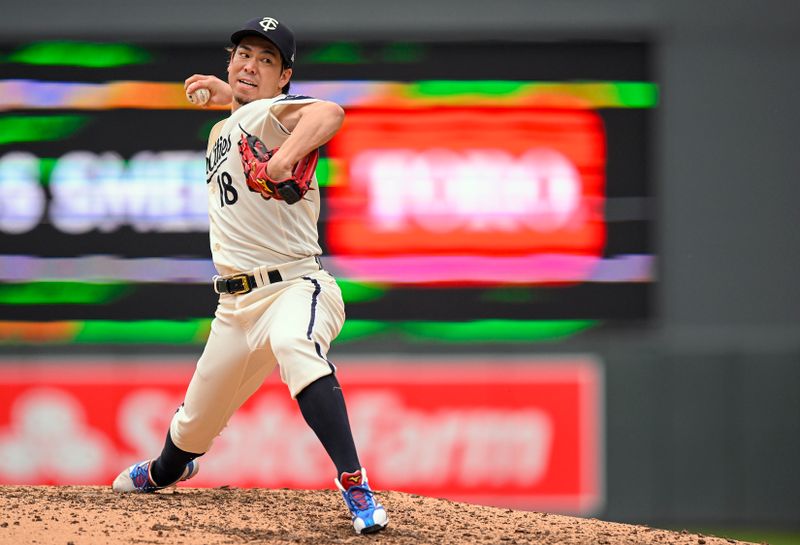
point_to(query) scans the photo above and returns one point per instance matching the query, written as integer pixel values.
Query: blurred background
(566, 234)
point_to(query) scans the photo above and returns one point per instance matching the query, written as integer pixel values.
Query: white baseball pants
(290, 323)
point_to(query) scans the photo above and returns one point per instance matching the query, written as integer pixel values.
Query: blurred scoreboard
(502, 184)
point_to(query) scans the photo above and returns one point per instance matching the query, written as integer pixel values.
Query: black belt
(243, 283)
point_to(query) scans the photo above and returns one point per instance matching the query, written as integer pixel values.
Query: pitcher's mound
(86, 515)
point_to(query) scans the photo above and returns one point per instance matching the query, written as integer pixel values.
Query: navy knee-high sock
(168, 467)
(323, 408)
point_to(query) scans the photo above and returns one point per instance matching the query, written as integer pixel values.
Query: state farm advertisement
(523, 433)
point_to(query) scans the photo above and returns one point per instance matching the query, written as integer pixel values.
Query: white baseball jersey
(246, 229)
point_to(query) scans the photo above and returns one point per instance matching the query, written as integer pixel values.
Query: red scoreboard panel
(478, 181)
(434, 183)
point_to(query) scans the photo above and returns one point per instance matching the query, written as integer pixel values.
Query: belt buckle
(245, 284)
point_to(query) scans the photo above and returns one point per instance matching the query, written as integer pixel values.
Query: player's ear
(231, 51)
(286, 75)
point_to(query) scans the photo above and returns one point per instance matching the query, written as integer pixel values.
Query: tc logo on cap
(268, 23)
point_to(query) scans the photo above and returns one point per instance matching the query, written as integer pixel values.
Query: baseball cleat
(137, 477)
(368, 516)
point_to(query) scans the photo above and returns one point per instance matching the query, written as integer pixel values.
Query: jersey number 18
(227, 193)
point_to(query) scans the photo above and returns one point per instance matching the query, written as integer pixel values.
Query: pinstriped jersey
(247, 230)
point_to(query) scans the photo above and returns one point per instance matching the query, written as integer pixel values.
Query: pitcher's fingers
(191, 82)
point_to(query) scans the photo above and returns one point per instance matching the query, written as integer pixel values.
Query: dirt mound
(83, 515)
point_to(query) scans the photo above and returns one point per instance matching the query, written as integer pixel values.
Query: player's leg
(259, 364)
(304, 320)
(168, 467)
(323, 408)
(302, 324)
(226, 370)
(215, 392)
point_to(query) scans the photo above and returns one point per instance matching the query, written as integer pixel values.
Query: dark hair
(285, 90)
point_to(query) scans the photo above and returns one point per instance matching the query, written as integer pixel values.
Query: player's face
(255, 71)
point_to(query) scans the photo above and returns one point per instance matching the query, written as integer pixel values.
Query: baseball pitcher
(277, 305)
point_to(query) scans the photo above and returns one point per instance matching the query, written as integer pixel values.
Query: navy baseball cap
(274, 31)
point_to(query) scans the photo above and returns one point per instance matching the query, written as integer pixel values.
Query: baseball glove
(255, 158)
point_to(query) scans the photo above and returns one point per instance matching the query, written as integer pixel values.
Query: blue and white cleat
(368, 516)
(137, 478)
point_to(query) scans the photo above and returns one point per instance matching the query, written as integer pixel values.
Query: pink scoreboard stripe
(490, 270)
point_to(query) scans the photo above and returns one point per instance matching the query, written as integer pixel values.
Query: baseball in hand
(199, 97)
